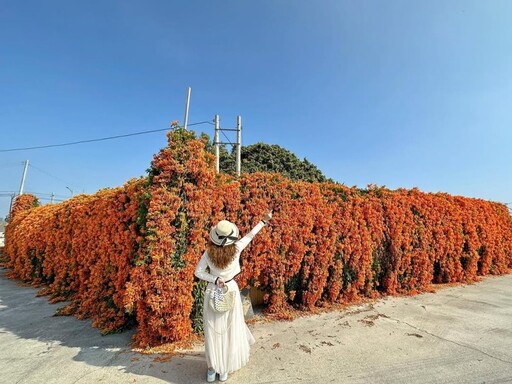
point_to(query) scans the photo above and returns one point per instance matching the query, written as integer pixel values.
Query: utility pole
(23, 178)
(10, 206)
(216, 143)
(187, 105)
(238, 144)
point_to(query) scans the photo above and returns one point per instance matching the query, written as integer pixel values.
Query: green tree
(261, 157)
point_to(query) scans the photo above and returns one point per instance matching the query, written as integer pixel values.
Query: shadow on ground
(56, 346)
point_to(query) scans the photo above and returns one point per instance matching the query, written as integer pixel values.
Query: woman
(227, 337)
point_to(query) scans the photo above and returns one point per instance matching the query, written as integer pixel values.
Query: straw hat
(224, 233)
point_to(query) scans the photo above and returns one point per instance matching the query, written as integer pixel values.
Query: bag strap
(232, 278)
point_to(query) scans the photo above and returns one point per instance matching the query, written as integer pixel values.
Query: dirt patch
(415, 335)
(305, 348)
(369, 320)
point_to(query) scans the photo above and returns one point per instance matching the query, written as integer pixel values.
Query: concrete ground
(458, 335)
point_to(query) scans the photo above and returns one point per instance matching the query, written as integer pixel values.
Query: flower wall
(81, 250)
(129, 254)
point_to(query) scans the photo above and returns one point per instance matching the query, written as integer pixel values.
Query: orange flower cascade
(128, 254)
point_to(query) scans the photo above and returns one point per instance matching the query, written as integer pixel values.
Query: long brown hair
(221, 256)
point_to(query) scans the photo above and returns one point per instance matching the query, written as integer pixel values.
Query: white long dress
(227, 337)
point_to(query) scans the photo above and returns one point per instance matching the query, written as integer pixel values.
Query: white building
(2, 229)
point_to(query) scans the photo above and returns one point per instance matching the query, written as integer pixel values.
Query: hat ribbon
(226, 238)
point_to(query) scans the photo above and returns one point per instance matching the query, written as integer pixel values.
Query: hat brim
(222, 242)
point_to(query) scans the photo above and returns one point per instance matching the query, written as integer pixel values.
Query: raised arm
(200, 271)
(244, 241)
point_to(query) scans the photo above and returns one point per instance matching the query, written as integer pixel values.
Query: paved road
(458, 335)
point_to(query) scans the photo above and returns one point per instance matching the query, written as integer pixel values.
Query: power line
(50, 199)
(55, 177)
(94, 140)
(9, 193)
(45, 194)
(229, 141)
(11, 164)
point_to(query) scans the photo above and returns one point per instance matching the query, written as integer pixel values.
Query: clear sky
(395, 93)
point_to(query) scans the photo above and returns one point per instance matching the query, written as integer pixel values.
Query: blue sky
(395, 93)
